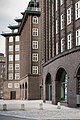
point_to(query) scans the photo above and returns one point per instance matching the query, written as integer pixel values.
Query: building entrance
(13, 95)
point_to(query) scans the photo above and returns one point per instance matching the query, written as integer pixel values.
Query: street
(4, 117)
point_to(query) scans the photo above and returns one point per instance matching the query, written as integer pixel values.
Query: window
(35, 19)
(34, 69)
(56, 4)
(35, 57)
(17, 66)
(16, 57)
(78, 37)
(10, 85)
(56, 27)
(56, 48)
(10, 47)
(77, 10)
(35, 31)
(10, 57)
(35, 44)
(17, 38)
(10, 39)
(17, 76)
(62, 21)
(61, 2)
(16, 47)
(69, 16)
(69, 42)
(10, 66)
(62, 45)
(16, 85)
(10, 76)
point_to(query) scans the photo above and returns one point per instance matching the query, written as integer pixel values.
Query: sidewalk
(33, 111)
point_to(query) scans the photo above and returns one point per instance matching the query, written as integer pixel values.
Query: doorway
(12, 95)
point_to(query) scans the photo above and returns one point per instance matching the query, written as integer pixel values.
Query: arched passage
(48, 88)
(61, 85)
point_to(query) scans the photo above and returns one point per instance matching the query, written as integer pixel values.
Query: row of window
(17, 66)
(77, 15)
(17, 57)
(69, 41)
(17, 47)
(16, 39)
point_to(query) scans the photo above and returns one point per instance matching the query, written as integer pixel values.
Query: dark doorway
(48, 87)
(13, 95)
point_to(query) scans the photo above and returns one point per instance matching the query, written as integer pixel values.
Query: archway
(48, 88)
(61, 85)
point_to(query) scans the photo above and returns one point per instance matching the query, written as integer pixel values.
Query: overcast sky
(9, 10)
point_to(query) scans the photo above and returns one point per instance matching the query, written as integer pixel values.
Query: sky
(9, 10)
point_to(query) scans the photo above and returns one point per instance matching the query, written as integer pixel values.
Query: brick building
(61, 51)
(23, 74)
(2, 75)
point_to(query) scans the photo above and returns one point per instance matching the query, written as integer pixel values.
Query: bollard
(41, 106)
(4, 107)
(22, 107)
(58, 105)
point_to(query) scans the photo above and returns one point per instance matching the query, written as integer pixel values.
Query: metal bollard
(41, 106)
(22, 107)
(4, 107)
(58, 105)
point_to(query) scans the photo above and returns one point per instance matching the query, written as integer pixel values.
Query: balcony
(33, 10)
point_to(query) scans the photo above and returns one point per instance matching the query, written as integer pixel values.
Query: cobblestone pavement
(33, 111)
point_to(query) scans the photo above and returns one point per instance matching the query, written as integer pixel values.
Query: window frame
(35, 70)
(34, 31)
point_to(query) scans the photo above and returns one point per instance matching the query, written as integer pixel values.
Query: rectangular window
(69, 16)
(62, 21)
(56, 4)
(17, 76)
(69, 41)
(61, 2)
(17, 57)
(17, 66)
(56, 48)
(35, 57)
(56, 26)
(34, 69)
(10, 57)
(11, 48)
(10, 39)
(35, 20)
(78, 37)
(35, 31)
(10, 66)
(35, 44)
(17, 47)
(62, 45)
(77, 10)
(17, 38)
(10, 76)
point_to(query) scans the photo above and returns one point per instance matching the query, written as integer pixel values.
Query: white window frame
(17, 47)
(34, 69)
(62, 45)
(35, 20)
(56, 4)
(35, 44)
(78, 37)
(10, 76)
(69, 41)
(10, 48)
(11, 39)
(61, 2)
(10, 57)
(62, 21)
(17, 57)
(10, 66)
(68, 16)
(17, 38)
(34, 31)
(17, 66)
(56, 26)
(56, 48)
(35, 57)
(77, 10)
(17, 76)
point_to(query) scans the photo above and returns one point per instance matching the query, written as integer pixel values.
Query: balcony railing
(33, 9)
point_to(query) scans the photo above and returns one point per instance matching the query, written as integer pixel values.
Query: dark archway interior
(78, 82)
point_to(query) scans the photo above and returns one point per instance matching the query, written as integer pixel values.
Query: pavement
(37, 110)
